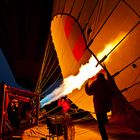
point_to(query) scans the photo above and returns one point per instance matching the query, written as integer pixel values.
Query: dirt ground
(81, 131)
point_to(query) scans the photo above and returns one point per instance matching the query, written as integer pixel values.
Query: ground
(83, 131)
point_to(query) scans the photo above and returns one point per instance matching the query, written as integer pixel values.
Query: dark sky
(24, 29)
(6, 74)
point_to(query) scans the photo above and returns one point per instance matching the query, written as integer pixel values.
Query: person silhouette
(65, 105)
(102, 99)
(13, 113)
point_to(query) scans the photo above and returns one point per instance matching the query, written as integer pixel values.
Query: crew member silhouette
(102, 99)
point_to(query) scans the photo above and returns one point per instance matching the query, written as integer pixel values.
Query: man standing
(101, 90)
(64, 103)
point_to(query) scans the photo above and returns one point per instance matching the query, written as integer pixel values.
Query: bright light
(110, 46)
(73, 82)
(76, 81)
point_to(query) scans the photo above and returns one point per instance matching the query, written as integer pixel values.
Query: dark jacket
(102, 95)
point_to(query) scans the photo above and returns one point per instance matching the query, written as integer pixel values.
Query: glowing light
(73, 82)
(110, 46)
(105, 51)
(85, 72)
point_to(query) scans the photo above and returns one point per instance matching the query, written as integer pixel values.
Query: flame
(110, 46)
(73, 82)
(76, 81)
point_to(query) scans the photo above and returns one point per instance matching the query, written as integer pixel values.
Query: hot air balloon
(104, 31)
(108, 36)
(109, 31)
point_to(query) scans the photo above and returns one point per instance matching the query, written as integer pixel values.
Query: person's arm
(88, 89)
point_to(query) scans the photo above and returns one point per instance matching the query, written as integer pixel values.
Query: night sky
(6, 74)
(24, 29)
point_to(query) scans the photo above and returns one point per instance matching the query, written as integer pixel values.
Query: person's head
(100, 75)
(64, 97)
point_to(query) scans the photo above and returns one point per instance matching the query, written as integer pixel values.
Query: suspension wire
(135, 100)
(130, 86)
(53, 10)
(131, 8)
(72, 7)
(118, 72)
(51, 52)
(45, 81)
(48, 47)
(42, 68)
(58, 7)
(106, 19)
(45, 68)
(118, 43)
(50, 75)
(57, 78)
(47, 76)
(81, 10)
(79, 132)
(91, 14)
(98, 15)
(83, 118)
(84, 111)
(64, 7)
(62, 53)
(134, 81)
(37, 89)
(91, 41)
(48, 57)
(83, 132)
(125, 36)
(72, 113)
(48, 62)
(48, 68)
(52, 109)
(127, 92)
